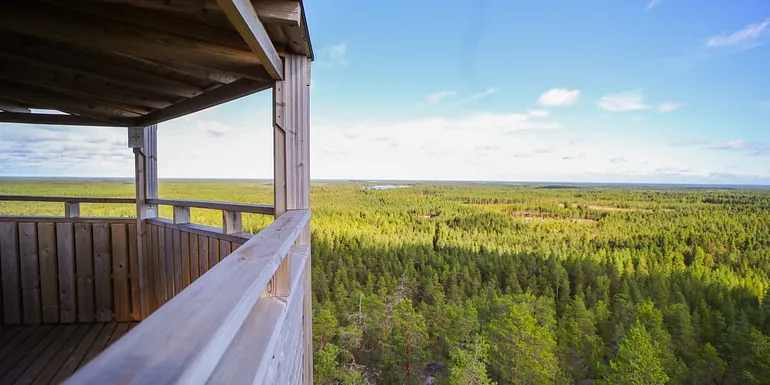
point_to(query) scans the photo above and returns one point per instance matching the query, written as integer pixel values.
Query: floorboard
(49, 354)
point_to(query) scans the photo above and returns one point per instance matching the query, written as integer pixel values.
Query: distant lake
(388, 187)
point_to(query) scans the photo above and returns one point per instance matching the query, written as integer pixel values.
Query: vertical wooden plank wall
(146, 180)
(65, 272)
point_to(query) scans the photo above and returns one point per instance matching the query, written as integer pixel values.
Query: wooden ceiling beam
(74, 83)
(62, 25)
(11, 106)
(283, 12)
(55, 101)
(211, 98)
(57, 119)
(244, 18)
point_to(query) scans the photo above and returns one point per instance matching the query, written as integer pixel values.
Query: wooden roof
(140, 62)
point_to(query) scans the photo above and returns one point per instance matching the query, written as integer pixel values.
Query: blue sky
(591, 90)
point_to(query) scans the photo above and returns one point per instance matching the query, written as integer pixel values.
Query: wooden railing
(224, 328)
(71, 204)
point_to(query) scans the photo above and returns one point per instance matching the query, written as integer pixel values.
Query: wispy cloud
(618, 160)
(333, 55)
(623, 101)
(557, 97)
(668, 107)
(438, 96)
(747, 37)
(740, 145)
(652, 4)
(737, 144)
(476, 96)
(539, 113)
(689, 143)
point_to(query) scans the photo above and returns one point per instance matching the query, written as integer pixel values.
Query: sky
(667, 91)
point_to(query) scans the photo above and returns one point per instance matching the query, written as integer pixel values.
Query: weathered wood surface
(67, 272)
(61, 199)
(183, 342)
(225, 206)
(245, 20)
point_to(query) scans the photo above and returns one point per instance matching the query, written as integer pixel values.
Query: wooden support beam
(244, 18)
(71, 209)
(231, 222)
(57, 24)
(75, 84)
(284, 12)
(57, 119)
(56, 101)
(211, 98)
(291, 130)
(181, 215)
(11, 106)
(146, 180)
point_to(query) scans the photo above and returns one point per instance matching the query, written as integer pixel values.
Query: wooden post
(71, 209)
(146, 172)
(181, 215)
(231, 223)
(291, 139)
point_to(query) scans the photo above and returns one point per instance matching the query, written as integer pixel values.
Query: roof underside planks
(140, 62)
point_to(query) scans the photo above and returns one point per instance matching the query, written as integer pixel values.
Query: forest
(493, 283)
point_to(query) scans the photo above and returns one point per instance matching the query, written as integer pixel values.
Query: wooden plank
(181, 214)
(203, 249)
(67, 348)
(145, 265)
(11, 106)
(132, 325)
(169, 258)
(224, 206)
(120, 331)
(231, 222)
(182, 342)
(76, 358)
(133, 273)
(177, 257)
(206, 231)
(30, 279)
(102, 272)
(244, 18)
(71, 209)
(157, 269)
(63, 199)
(19, 358)
(9, 332)
(55, 119)
(213, 252)
(185, 255)
(65, 251)
(100, 343)
(65, 26)
(194, 262)
(11, 274)
(49, 280)
(281, 12)
(18, 338)
(224, 249)
(84, 268)
(120, 266)
(35, 219)
(161, 272)
(37, 360)
(217, 96)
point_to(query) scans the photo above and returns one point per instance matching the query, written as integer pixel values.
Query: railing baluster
(231, 222)
(181, 215)
(71, 209)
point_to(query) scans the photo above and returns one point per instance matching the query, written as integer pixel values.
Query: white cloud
(480, 95)
(746, 37)
(539, 113)
(333, 55)
(737, 144)
(438, 96)
(652, 4)
(559, 97)
(668, 107)
(623, 101)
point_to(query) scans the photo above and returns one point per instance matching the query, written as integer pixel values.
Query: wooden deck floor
(49, 354)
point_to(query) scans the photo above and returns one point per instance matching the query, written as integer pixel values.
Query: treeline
(444, 281)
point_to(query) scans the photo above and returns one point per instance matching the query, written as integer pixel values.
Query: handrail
(61, 199)
(184, 340)
(224, 206)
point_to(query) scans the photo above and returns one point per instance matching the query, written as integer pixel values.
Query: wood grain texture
(213, 252)
(30, 279)
(203, 254)
(61, 199)
(183, 342)
(177, 257)
(49, 280)
(161, 272)
(170, 262)
(84, 263)
(226, 206)
(184, 253)
(9, 268)
(120, 267)
(56, 119)
(65, 251)
(133, 273)
(103, 272)
(76, 357)
(245, 20)
(232, 222)
(194, 262)
(146, 181)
